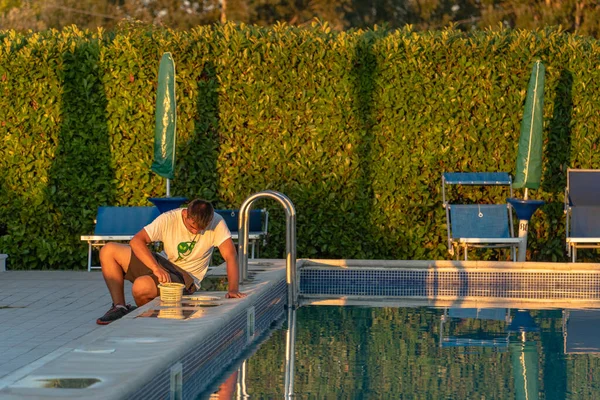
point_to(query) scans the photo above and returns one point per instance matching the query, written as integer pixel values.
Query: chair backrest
(475, 179)
(583, 187)
(123, 221)
(231, 218)
(479, 221)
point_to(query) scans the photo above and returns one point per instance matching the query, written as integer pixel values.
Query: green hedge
(355, 127)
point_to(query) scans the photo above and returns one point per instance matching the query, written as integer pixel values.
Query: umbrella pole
(168, 187)
(523, 231)
(524, 210)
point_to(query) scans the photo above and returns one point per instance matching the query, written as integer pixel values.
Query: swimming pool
(426, 352)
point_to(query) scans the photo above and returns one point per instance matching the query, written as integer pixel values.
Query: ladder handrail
(244, 224)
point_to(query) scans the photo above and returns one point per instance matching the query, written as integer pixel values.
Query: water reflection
(227, 389)
(290, 354)
(350, 352)
(479, 338)
(524, 355)
(581, 331)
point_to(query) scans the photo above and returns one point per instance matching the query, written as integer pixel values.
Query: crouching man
(189, 236)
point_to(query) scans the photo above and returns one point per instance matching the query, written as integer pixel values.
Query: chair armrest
(251, 235)
(108, 237)
(488, 240)
(583, 240)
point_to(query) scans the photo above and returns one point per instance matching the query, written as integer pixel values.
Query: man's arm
(139, 245)
(227, 250)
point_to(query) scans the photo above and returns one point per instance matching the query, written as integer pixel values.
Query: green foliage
(580, 17)
(355, 127)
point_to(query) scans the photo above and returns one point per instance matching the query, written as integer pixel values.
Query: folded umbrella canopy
(529, 157)
(165, 131)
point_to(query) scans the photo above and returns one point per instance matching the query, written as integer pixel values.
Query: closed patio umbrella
(529, 157)
(165, 132)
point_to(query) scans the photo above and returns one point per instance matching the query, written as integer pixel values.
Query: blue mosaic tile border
(270, 306)
(208, 359)
(436, 283)
(200, 364)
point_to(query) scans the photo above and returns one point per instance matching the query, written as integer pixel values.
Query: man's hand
(139, 245)
(235, 295)
(162, 274)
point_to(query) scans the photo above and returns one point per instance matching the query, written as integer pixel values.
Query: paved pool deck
(41, 311)
(46, 314)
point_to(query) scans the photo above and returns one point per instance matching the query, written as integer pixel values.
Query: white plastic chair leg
(89, 256)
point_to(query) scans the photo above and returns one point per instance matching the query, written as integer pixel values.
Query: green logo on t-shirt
(184, 249)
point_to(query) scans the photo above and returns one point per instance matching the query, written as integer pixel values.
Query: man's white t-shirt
(190, 252)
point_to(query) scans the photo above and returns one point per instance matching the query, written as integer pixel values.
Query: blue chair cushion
(585, 222)
(479, 221)
(231, 218)
(122, 221)
(584, 187)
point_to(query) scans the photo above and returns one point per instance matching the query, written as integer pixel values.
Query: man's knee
(144, 289)
(108, 251)
(115, 252)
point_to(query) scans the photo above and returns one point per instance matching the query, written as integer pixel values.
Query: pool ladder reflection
(244, 227)
(290, 357)
(290, 354)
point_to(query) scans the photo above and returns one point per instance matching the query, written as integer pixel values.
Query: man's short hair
(201, 212)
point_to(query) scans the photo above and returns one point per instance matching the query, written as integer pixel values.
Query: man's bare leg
(144, 289)
(114, 259)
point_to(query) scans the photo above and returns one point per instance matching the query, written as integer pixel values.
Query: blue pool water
(426, 353)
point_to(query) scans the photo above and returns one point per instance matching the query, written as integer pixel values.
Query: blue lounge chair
(582, 210)
(258, 229)
(122, 223)
(117, 224)
(478, 225)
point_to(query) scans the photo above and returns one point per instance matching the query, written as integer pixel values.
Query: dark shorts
(138, 268)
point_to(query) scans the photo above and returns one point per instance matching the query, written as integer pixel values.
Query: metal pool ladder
(290, 223)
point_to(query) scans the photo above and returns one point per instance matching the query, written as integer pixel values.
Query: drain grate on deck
(58, 382)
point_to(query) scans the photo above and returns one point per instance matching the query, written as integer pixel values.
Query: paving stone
(57, 307)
